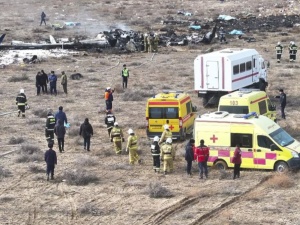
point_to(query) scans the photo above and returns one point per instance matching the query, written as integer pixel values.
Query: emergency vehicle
(245, 101)
(264, 144)
(173, 108)
(218, 73)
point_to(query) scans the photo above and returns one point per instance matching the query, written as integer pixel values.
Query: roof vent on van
(247, 90)
(219, 114)
(239, 115)
(172, 91)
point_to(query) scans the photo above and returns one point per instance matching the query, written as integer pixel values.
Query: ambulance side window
(236, 69)
(248, 65)
(264, 141)
(242, 67)
(245, 140)
(188, 107)
(262, 107)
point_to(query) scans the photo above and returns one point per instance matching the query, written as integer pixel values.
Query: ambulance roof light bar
(249, 115)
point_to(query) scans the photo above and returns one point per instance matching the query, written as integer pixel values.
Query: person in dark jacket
(21, 102)
(189, 156)
(86, 131)
(155, 151)
(45, 81)
(38, 83)
(61, 115)
(51, 160)
(110, 119)
(49, 129)
(53, 81)
(43, 18)
(60, 132)
(282, 98)
(237, 161)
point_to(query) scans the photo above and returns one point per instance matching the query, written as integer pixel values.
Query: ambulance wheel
(221, 165)
(281, 167)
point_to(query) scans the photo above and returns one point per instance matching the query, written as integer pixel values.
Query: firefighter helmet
(169, 141)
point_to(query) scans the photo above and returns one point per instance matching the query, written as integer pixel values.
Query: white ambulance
(218, 73)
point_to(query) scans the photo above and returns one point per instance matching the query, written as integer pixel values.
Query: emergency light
(249, 115)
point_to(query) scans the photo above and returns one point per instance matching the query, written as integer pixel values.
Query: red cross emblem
(171, 127)
(214, 138)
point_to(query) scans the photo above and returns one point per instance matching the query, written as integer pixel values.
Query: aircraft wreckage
(123, 40)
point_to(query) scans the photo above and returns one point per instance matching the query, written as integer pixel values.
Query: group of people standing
(200, 154)
(151, 41)
(42, 80)
(293, 48)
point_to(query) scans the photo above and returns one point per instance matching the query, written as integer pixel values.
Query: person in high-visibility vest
(125, 76)
(21, 102)
(293, 48)
(132, 147)
(155, 151)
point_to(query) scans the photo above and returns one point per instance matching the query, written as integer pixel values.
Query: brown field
(117, 193)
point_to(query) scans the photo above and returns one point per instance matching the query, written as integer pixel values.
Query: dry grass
(281, 181)
(79, 177)
(156, 190)
(86, 161)
(23, 77)
(4, 173)
(16, 140)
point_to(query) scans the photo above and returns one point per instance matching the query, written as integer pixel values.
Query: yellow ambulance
(173, 108)
(248, 100)
(264, 144)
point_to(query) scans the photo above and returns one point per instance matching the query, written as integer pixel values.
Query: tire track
(161, 216)
(186, 203)
(225, 205)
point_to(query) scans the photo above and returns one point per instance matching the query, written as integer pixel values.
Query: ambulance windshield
(281, 137)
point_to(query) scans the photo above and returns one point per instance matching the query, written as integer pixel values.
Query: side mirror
(194, 108)
(273, 147)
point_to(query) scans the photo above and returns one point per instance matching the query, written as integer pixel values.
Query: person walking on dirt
(43, 18)
(63, 82)
(38, 83)
(166, 134)
(279, 50)
(21, 102)
(116, 136)
(50, 124)
(167, 155)
(132, 147)
(61, 115)
(51, 161)
(86, 131)
(201, 156)
(60, 132)
(293, 48)
(108, 96)
(282, 98)
(110, 119)
(155, 151)
(125, 76)
(52, 81)
(237, 161)
(44, 82)
(189, 156)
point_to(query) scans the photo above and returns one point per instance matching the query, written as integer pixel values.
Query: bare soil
(121, 195)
